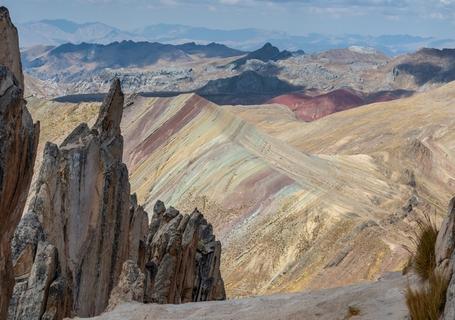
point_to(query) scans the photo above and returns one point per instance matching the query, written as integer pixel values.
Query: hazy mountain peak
(64, 25)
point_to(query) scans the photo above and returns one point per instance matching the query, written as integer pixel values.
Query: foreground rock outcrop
(9, 50)
(82, 204)
(18, 143)
(182, 262)
(83, 228)
(445, 259)
(183, 258)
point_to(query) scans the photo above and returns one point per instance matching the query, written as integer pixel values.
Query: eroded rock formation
(445, 259)
(9, 50)
(183, 258)
(130, 286)
(18, 143)
(181, 262)
(83, 227)
(82, 204)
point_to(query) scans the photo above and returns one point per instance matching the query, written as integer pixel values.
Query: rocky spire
(18, 143)
(110, 116)
(82, 203)
(9, 49)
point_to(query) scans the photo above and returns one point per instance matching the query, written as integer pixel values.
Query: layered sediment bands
(82, 203)
(274, 207)
(295, 205)
(313, 107)
(18, 143)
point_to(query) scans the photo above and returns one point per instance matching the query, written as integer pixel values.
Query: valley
(167, 171)
(349, 186)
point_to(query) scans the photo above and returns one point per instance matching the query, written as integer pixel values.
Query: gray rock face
(82, 203)
(18, 143)
(9, 50)
(181, 262)
(182, 259)
(130, 286)
(445, 258)
(31, 303)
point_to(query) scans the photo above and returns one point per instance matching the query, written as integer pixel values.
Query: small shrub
(428, 302)
(353, 311)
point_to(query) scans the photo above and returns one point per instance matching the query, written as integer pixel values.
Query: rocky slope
(368, 301)
(411, 136)
(426, 67)
(18, 143)
(355, 71)
(402, 150)
(141, 66)
(247, 88)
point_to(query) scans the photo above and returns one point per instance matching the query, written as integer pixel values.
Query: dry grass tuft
(353, 311)
(425, 257)
(423, 260)
(428, 302)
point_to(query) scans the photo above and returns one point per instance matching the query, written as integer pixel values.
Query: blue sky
(374, 17)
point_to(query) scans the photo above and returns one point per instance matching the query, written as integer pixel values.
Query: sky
(297, 17)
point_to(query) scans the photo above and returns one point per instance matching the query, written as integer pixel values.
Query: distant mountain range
(127, 54)
(57, 32)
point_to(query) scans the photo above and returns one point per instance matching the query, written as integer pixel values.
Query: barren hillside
(296, 205)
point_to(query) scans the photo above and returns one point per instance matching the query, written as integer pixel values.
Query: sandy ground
(374, 301)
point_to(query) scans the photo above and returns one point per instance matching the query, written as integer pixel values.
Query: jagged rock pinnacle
(18, 143)
(9, 48)
(110, 116)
